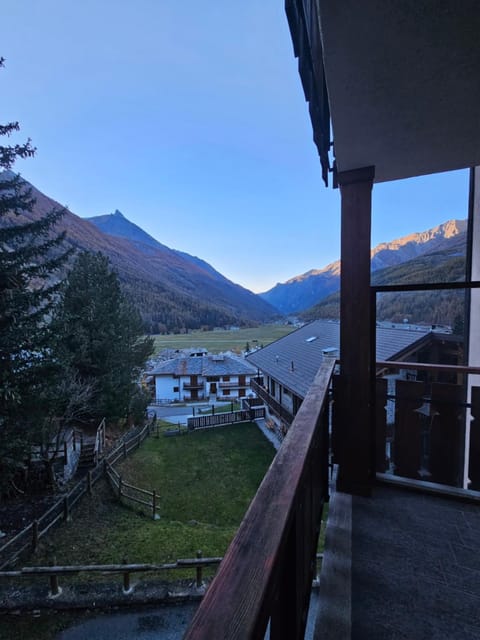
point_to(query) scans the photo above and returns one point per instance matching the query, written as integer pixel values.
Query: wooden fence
(221, 419)
(28, 538)
(131, 493)
(53, 572)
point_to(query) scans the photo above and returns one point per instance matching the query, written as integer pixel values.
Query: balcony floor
(400, 565)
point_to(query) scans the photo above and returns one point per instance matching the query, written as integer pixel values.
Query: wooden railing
(125, 569)
(266, 574)
(222, 419)
(100, 440)
(423, 426)
(272, 403)
(131, 493)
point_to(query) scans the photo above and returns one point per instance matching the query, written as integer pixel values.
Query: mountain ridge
(305, 290)
(172, 292)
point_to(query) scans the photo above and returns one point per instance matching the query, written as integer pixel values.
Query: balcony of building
(192, 386)
(233, 385)
(400, 562)
(256, 384)
(392, 92)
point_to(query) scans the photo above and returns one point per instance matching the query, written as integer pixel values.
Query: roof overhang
(403, 82)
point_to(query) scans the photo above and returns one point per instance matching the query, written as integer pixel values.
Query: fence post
(89, 482)
(120, 487)
(199, 571)
(54, 588)
(126, 578)
(74, 441)
(65, 451)
(154, 504)
(103, 435)
(66, 509)
(124, 449)
(35, 535)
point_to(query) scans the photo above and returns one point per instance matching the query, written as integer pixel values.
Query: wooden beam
(355, 438)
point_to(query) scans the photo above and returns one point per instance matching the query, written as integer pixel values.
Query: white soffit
(403, 79)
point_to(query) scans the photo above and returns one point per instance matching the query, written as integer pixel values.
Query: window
(226, 392)
(226, 378)
(175, 389)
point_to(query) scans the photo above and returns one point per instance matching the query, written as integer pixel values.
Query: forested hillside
(435, 307)
(173, 291)
(302, 292)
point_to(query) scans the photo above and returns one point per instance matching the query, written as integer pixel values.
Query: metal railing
(266, 574)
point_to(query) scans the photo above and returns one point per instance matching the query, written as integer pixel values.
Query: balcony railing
(272, 403)
(233, 385)
(423, 429)
(193, 385)
(267, 572)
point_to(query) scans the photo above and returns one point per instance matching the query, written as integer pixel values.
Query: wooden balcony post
(356, 463)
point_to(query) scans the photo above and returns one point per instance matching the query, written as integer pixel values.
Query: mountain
(431, 307)
(115, 224)
(304, 291)
(172, 290)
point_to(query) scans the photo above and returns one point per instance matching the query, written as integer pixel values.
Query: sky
(189, 117)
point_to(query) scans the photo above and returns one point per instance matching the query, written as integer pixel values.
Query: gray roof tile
(204, 366)
(295, 359)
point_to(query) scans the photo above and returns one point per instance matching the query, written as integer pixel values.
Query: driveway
(167, 623)
(180, 415)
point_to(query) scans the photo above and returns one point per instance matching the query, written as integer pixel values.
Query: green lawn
(217, 341)
(205, 481)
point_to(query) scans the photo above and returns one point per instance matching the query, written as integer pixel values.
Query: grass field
(217, 341)
(205, 481)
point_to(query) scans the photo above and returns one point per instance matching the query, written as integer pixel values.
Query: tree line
(71, 347)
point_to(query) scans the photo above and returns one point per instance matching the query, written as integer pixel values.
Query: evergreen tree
(30, 255)
(102, 336)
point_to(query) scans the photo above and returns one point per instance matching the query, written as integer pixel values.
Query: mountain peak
(118, 214)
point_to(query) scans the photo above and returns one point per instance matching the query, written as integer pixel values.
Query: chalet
(201, 378)
(287, 367)
(393, 92)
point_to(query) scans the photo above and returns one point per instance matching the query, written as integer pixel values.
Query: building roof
(295, 359)
(211, 365)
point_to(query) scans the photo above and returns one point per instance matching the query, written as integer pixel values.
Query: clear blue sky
(189, 118)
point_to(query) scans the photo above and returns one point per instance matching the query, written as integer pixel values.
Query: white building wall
(164, 388)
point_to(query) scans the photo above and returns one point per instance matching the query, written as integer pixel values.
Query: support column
(355, 452)
(472, 432)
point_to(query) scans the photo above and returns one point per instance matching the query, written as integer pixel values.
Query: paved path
(167, 623)
(268, 433)
(180, 415)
